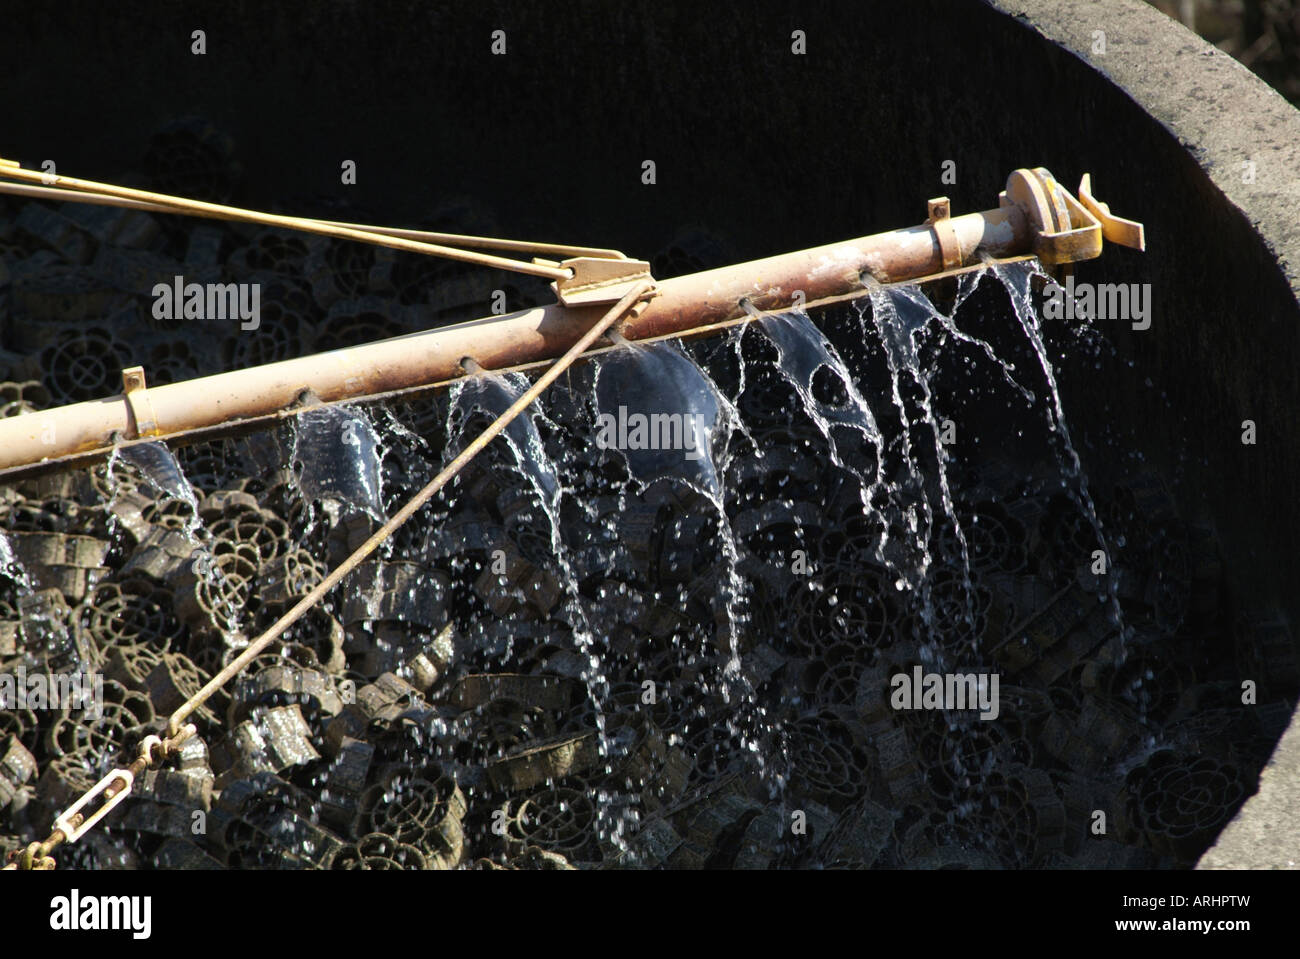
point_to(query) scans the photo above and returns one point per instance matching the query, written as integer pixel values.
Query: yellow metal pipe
(681, 305)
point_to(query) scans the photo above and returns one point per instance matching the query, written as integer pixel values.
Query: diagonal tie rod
(409, 241)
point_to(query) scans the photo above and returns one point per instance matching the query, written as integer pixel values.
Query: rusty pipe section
(542, 333)
(421, 359)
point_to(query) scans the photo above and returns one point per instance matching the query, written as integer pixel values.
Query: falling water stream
(336, 455)
(155, 471)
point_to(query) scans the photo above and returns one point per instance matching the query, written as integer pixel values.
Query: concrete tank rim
(1139, 37)
(1263, 126)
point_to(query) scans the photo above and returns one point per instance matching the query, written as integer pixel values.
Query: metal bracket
(72, 833)
(1116, 229)
(939, 217)
(137, 398)
(595, 281)
(1066, 229)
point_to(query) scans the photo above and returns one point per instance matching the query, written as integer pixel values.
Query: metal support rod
(9, 168)
(426, 236)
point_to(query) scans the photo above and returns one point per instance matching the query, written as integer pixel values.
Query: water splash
(336, 455)
(152, 467)
(489, 395)
(9, 565)
(155, 463)
(657, 407)
(805, 358)
(1017, 279)
(473, 400)
(659, 389)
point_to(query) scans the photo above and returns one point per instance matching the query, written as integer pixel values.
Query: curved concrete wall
(772, 152)
(1224, 261)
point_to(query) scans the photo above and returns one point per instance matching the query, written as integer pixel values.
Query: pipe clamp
(137, 398)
